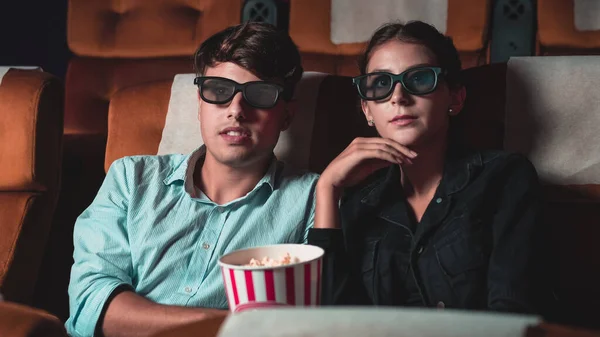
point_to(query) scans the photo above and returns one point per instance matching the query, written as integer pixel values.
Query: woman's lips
(403, 120)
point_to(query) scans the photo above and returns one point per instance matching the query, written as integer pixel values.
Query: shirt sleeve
(102, 256)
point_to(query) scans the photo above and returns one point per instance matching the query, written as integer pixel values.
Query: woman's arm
(518, 276)
(359, 160)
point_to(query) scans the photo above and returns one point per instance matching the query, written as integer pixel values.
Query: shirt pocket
(464, 266)
(460, 249)
(459, 257)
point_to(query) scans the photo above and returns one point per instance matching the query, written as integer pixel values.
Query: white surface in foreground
(350, 322)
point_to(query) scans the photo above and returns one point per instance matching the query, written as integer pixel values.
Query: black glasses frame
(397, 79)
(238, 87)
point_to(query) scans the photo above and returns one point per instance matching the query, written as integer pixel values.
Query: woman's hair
(260, 48)
(418, 32)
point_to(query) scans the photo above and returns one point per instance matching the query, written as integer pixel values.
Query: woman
(424, 221)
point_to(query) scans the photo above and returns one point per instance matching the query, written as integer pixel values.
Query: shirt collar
(184, 171)
(187, 164)
(459, 167)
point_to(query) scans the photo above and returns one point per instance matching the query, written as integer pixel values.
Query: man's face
(235, 133)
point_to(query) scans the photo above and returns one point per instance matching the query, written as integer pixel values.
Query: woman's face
(408, 119)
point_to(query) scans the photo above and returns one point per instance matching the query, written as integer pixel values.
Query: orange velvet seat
(22, 321)
(31, 117)
(310, 27)
(557, 32)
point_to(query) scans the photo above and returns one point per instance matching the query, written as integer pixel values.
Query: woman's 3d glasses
(379, 85)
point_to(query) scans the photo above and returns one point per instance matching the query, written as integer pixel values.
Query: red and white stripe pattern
(298, 285)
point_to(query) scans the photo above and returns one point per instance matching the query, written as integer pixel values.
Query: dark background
(33, 33)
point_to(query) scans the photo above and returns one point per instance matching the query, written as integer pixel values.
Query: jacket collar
(459, 167)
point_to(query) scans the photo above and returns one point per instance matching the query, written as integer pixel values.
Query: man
(146, 249)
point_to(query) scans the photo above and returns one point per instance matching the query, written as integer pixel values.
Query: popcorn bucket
(252, 287)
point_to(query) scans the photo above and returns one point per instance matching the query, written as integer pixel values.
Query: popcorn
(269, 262)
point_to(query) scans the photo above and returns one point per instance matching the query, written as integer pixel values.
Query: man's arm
(102, 255)
(129, 314)
(101, 276)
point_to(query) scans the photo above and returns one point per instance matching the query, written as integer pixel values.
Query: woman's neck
(423, 177)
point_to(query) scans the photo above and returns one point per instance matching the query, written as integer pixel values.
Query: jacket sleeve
(518, 271)
(334, 262)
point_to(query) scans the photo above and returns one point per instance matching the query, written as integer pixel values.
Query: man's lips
(235, 135)
(235, 131)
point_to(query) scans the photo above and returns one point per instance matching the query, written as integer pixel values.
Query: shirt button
(441, 305)
(205, 245)
(220, 209)
(439, 200)
(188, 289)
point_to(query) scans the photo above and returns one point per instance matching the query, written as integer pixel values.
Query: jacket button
(441, 305)
(439, 200)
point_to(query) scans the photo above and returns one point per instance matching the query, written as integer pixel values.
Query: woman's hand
(359, 160)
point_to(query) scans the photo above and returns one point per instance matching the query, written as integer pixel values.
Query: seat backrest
(543, 107)
(313, 28)
(553, 116)
(126, 42)
(31, 122)
(568, 27)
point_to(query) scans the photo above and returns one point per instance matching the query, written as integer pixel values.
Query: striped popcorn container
(252, 287)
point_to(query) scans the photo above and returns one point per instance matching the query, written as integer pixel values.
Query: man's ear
(290, 112)
(457, 100)
(199, 105)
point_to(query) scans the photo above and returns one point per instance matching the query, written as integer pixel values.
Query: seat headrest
(553, 116)
(355, 20)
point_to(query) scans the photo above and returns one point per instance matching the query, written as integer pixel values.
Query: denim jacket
(479, 244)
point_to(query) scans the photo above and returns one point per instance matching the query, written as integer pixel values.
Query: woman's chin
(405, 140)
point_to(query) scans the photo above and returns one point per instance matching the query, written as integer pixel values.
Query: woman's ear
(457, 100)
(365, 109)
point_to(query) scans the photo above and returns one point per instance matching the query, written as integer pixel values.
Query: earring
(371, 122)
(450, 111)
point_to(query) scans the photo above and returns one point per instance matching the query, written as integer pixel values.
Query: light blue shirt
(149, 229)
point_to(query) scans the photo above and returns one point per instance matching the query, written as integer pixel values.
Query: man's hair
(260, 48)
(418, 32)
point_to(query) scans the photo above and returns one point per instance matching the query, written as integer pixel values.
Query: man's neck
(222, 183)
